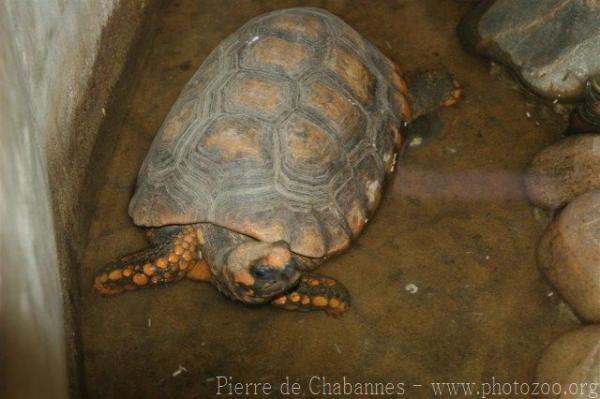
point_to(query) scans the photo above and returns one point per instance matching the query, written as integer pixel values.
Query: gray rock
(553, 45)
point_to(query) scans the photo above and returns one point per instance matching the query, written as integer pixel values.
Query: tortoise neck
(216, 242)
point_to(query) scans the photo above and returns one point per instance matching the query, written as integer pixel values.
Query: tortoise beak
(278, 281)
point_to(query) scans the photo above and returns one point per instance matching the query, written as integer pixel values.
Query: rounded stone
(573, 361)
(532, 39)
(564, 170)
(569, 255)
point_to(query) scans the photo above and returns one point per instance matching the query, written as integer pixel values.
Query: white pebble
(416, 141)
(337, 348)
(179, 370)
(411, 288)
(528, 114)
(394, 162)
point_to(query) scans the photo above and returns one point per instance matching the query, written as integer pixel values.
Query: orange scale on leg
(115, 275)
(280, 300)
(162, 263)
(188, 255)
(148, 269)
(334, 302)
(140, 279)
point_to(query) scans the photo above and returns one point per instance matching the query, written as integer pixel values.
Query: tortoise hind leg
(316, 292)
(431, 90)
(173, 252)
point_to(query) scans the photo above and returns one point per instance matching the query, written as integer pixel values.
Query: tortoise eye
(261, 271)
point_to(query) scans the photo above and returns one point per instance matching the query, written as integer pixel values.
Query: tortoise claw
(316, 292)
(454, 96)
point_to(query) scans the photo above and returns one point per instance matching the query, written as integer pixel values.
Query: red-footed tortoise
(272, 160)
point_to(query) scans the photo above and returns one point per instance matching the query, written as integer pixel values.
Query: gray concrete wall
(48, 123)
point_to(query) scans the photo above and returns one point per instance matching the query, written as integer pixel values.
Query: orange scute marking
(266, 96)
(291, 57)
(349, 67)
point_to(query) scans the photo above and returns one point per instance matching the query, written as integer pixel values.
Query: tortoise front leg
(316, 292)
(173, 252)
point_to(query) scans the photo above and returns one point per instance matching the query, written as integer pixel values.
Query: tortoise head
(255, 271)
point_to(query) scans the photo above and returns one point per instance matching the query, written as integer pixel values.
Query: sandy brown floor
(454, 224)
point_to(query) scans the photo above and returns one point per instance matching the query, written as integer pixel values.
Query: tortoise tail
(173, 252)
